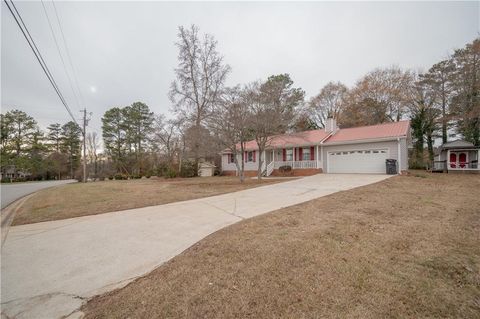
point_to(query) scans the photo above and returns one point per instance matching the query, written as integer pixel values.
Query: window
(231, 158)
(289, 154)
(376, 152)
(251, 156)
(306, 154)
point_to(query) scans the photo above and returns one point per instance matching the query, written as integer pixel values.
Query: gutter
(372, 140)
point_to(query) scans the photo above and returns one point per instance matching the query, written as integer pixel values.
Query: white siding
(249, 166)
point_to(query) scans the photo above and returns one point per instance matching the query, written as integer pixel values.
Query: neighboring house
(330, 150)
(457, 156)
(10, 172)
(206, 169)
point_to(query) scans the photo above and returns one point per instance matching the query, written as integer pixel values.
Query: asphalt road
(14, 191)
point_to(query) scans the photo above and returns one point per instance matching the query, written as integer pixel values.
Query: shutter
(312, 153)
(300, 154)
(254, 152)
(284, 155)
(246, 156)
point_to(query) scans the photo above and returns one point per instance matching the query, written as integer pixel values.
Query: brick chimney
(330, 125)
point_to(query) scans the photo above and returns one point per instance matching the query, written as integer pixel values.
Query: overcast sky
(124, 51)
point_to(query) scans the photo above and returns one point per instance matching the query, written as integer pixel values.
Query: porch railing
(296, 164)
(462, 165)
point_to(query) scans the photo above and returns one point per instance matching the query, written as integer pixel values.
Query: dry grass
(74, 200)
(408, 247)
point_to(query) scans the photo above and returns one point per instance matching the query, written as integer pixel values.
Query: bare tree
(230, 124)
(92, 146)
(273, 105)
(166, 138)
(328, 103)
(380, 96)
(200, 77)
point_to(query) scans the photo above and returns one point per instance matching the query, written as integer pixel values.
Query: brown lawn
(74, 200)
(408, 247)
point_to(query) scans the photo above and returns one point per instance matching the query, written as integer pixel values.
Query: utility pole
(84, 132)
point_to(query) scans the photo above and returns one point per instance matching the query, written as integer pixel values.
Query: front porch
(459, 160)
(306, 159)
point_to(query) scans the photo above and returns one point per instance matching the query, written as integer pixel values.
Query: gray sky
(124, 51)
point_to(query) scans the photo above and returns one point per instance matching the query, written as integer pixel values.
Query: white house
(331, 150)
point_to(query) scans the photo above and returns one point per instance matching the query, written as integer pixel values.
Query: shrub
(120, 176)
(110, 177)
(285, 169)
(188, 169)
(161, 170)
(171, 173)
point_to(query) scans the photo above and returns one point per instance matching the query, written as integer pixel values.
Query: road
(50, 269)
(14, 191)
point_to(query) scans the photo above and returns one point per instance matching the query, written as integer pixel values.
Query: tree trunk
(430, 146)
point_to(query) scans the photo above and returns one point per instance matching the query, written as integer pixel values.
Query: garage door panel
(357, 161)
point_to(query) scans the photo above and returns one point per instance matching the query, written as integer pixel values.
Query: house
(457, 156)
(206, 169)
(330, 150)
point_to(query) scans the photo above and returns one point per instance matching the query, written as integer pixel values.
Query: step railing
(270, 168)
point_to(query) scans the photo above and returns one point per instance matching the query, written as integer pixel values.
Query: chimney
(330, 125)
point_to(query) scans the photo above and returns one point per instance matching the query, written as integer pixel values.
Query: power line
(38, 55)
(75, 77)
(60, 54)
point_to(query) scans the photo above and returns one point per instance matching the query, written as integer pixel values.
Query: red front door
(453, 160)
(462, 159)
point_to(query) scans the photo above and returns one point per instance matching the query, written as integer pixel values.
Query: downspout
(399, 157)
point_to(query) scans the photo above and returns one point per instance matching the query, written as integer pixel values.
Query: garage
(358, 161)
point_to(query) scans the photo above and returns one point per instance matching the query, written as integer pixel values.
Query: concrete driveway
(49, 269)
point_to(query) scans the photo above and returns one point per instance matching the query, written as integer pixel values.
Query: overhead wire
(60, 54)
(38, 55)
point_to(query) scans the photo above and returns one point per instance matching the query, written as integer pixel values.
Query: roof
(379, 131)
(457, 144)
(293, 139)
(314, 137)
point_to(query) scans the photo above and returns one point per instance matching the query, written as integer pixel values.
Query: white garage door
(358, 161)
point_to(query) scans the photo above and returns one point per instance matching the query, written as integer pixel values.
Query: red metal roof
(294, 139)
(314, 137)
(385, 130)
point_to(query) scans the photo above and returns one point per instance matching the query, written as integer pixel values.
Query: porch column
(448, 160)
(294, 157)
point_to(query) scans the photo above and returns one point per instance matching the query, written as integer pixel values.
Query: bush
(161, 170)
(120, 176)
(170, 173)
(6, 180)
(110, 177)
(285, 169)
(188, 169)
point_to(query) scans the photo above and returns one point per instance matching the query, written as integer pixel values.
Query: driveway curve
(49, 269)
